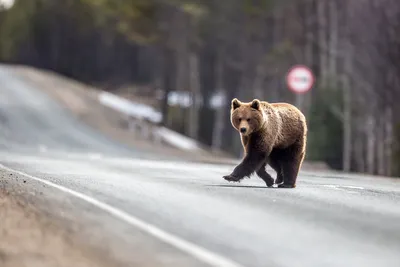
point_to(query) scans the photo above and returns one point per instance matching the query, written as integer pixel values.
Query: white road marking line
(198, 252)
(331, 186)
(345, 188)
(353, 187)
(94, 156)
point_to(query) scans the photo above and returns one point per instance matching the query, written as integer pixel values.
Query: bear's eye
(240, 119)
(248, 119)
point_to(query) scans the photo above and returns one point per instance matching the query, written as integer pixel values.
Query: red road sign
(300, 79)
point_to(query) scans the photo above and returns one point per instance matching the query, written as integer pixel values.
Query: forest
(214, 50)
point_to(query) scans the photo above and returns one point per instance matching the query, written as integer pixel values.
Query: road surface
(145, 209)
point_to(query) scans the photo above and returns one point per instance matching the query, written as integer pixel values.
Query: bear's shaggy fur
(271, 133)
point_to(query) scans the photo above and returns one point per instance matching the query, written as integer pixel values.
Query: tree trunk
(388, 140)
(195, 89)
(347, 104)
(347, 124)
(371, 139)
(219, 112)
(333, 42)
(259, 79)
(309, 50)
(166, 83)
(322, 28)
(359, 152)
(380, 145)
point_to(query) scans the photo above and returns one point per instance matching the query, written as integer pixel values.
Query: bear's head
(247, 118)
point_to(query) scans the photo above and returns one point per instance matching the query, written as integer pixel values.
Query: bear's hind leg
(263, 174)
(277, 166)
(291, 164)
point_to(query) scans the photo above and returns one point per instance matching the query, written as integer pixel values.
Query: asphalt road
(184, 213)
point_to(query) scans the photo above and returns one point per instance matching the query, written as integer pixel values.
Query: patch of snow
(125, 106)
(218, 100)
(183, 99)
(140, 111)
(176, 139)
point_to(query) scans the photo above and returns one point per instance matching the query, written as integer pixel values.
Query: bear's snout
(243, 129)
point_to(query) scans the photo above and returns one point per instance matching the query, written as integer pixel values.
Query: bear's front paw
(232, 178)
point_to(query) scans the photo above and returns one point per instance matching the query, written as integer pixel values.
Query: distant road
(184, 214)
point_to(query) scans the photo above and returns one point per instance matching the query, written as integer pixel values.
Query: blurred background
(188, 59)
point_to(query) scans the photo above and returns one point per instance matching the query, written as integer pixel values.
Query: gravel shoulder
(30, 239)
(43, 227)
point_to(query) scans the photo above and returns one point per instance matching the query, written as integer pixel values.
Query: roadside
(30, 239)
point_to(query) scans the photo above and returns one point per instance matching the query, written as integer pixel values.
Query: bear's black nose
(243, 130)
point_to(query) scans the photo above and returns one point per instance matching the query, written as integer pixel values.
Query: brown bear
(271, 133)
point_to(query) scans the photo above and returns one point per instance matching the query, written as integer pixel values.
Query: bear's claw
(231, 178)
(279, 180)
(269, 184)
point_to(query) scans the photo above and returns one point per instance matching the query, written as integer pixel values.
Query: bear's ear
(235, 103)
(255, 104)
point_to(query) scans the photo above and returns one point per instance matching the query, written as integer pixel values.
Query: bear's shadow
(241, 186)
